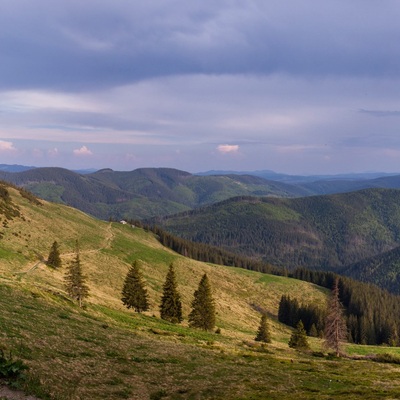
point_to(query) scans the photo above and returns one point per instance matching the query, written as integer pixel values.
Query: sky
(299, 87)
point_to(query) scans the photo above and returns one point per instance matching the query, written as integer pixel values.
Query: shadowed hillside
(382, 270)
(141, 193)
(318, 232)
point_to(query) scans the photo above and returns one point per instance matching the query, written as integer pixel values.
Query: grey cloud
(381, 113)
(73, 45)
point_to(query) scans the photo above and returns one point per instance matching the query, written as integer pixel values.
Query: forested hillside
(320, 232)
(382, 270)
(141, 193)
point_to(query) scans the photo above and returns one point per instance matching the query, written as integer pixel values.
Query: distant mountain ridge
(356, 233)
(14, 168)
(149, 192)
(299, 179)
(141, 193)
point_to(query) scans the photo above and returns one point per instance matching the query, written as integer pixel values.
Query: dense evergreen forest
(320, 232)
(372, 314)
(382, 269)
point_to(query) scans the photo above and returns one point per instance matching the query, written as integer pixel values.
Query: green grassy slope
(107, 352)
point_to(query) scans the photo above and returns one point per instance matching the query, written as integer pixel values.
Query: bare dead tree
(335, 324)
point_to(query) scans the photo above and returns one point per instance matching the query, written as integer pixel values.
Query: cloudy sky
(305, 86)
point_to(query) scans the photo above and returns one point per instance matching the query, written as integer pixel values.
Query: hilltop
(107, 351)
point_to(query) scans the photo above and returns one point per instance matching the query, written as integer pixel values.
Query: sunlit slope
(108, 249)
(107, 351)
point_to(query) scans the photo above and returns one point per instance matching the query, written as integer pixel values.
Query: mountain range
(141, 193)
(148, 192)
(331, 224)
(104, 350)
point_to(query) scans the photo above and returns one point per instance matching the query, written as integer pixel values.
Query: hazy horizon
(200, 172)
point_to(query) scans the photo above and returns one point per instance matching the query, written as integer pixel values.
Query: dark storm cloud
(292, 86)
(78, 45)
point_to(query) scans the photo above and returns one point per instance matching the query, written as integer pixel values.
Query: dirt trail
(107, 242)
(35, 266)
(7, 393)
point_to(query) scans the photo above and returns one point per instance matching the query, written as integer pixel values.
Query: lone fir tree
(298, 339)
(203, 309)
(335, 324)
(171, 306)
(54, 260)
(75, 281)
(263, 333)
(134, 293)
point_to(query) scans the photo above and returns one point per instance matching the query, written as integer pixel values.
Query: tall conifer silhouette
(171, 306)
(75, 281)
(203, 310)
(134, 293)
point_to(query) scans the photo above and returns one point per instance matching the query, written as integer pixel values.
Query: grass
(102, 353)
(108, 352)
(98, 353)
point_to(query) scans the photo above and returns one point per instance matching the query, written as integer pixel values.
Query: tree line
(207, 253)
(372, 314)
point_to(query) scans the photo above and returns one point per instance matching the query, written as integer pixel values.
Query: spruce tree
(171, 306)
(54, 259)
(335, 324)
(203, 309)
(134, 293)
(263, 333)
(313, 331)
(75, 281)
(298, 339)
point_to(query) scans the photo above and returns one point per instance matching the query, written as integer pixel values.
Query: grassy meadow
(105, 351)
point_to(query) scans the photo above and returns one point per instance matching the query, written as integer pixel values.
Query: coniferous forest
(372, 314)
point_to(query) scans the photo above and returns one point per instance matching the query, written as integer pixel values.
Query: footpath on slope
(10, 394)
(107, 244)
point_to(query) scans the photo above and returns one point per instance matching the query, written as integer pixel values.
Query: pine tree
(263, 333)
(75, 281)
(171, 306)
(298, 339)
(134, 293)
(54, 259)
(313, 331)
(335, 324)
(203, 309)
